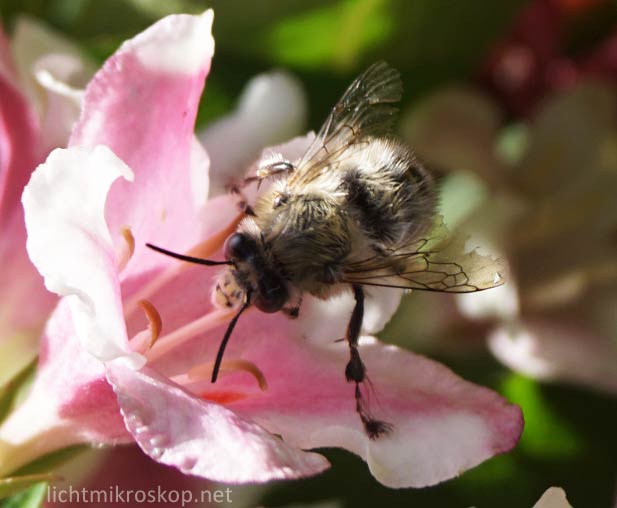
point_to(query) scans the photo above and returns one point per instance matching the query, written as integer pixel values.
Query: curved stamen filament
(228, 366)
(127, 250)
(144, 340)
(155, 324)
(203, 372)
(174, 339)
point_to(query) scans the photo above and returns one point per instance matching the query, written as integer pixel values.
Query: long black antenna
(190, 259)
(223, 345)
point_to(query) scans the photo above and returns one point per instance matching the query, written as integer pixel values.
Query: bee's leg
(269, 171)
(356, 371)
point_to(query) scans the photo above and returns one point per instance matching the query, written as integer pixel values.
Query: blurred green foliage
(33, 497)
(570, 437)
(325, 42)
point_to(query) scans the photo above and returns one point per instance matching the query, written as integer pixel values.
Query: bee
(356, 210)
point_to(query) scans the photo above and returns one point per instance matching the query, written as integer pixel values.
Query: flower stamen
(144, 340)
(204, 371)
(155, 324)
(127, 249)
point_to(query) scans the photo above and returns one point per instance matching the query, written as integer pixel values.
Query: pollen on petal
(127, 249)
(204, 370)
(155, 324)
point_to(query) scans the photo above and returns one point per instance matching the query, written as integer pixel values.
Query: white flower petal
(557, 351)
(31, 41)
(58, 75)
(501, 302)
(179, 47)
(326, 320)
(272, 108)
(70, 244)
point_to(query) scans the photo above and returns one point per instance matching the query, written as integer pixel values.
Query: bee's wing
(367, 108)
(436, 264)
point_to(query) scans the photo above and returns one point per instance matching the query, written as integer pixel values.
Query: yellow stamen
(228, 366)
(155, 324)
(128, 248)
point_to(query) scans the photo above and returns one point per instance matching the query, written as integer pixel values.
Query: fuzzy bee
(356, 210)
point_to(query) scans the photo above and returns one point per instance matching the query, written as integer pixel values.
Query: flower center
(154, 345)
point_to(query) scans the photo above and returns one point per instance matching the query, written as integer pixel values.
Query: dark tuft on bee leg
(355, 371)
(374, 428)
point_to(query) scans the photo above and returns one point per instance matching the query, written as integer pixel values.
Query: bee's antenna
(223, 345)
(189, 259)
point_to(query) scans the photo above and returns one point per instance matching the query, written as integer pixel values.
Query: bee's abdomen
(391, 202)
(368, 201)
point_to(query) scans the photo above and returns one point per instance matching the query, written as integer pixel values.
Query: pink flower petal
(18, 147)
(8, 71)
(72, 381)
(24, 303)
(71, 246)
(443, 425)
(70, 401)
(165, 66)
(201, 438)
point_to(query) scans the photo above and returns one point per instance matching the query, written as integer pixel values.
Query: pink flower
(124, 476)
(522, 189)
(38, 106)
(134, 174)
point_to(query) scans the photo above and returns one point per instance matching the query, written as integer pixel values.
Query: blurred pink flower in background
(533, 60)
(553, 498)
(542, 193)
(122, 476)
(39, 103)
(135, 173)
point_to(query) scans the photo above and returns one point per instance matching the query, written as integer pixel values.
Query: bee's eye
(271, 293)
(239, 246)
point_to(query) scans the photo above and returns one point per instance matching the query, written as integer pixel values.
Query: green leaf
(12, 392)
(46, 463)
(546, 435)
(334, 35)
(24, 491)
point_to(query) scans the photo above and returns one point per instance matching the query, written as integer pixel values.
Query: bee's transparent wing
(367, 108)
(436, 264)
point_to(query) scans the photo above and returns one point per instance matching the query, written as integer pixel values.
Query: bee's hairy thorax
(378, 198)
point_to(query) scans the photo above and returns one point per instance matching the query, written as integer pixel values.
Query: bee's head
(251, 274)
